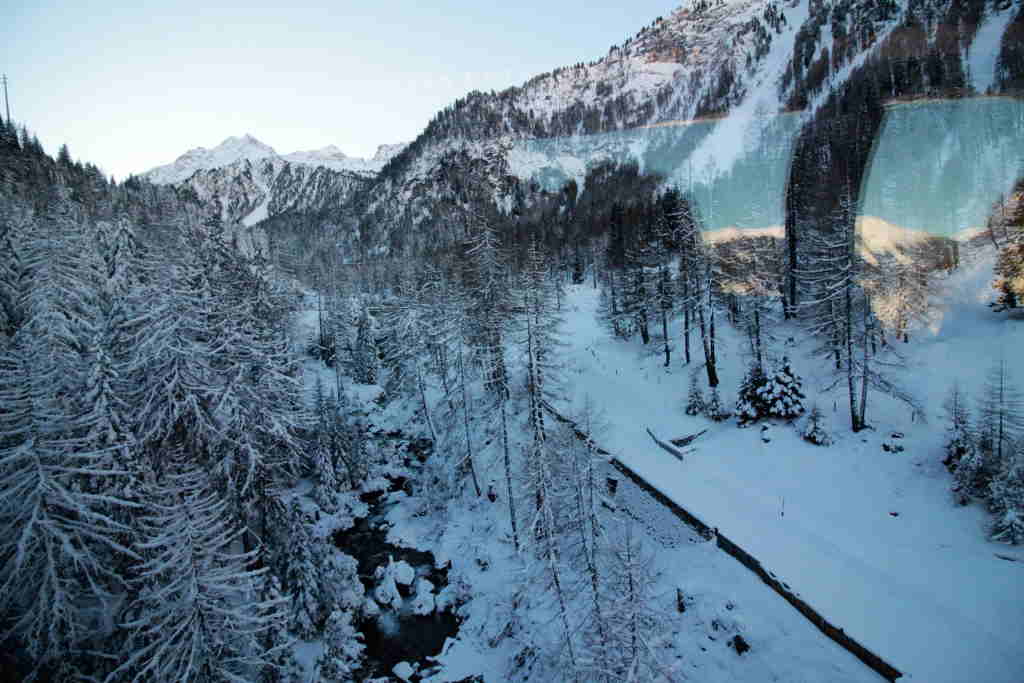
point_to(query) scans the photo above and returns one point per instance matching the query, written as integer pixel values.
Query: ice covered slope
(871, 539)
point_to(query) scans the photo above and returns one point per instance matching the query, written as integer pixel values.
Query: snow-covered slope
(731, 66)
(871, 539)
(249, 191)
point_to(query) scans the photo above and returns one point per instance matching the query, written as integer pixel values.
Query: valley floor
(871, 539)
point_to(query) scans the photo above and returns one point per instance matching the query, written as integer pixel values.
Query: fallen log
(687, 440)
(668, 447)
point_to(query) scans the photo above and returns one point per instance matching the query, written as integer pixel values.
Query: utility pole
(7, 104)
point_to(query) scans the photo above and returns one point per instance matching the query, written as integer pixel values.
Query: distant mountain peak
(247, 147)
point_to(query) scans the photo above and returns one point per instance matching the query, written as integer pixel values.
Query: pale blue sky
(130, 85)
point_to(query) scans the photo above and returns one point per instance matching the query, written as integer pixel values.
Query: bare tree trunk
(854, 414)
(865, 370)
(709, 356)
(465, 421)
(423, 401)
(508, 475)
(757, 338)
(664, 332)
(686, 331)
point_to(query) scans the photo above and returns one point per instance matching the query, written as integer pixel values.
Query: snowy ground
(924, 589)
(723, 598)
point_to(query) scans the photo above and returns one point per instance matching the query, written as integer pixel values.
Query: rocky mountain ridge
(246, 147)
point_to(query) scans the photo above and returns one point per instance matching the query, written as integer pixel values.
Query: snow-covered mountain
(232, 150)
(333, 158)
(731, 65)
(248, 148)
(244, 180)
(735, 64)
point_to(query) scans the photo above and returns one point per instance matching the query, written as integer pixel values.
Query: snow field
(924, 588)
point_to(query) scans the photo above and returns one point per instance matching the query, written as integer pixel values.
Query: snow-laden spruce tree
(277, 642)
(782, 392)
(959, 438)
(303, 577)
(61, 534)
(363, 351)
(59, 542)
(750, 404)
(715, 408)
(695, 404)
(343, 652)
(199, 614)
(1006, 498)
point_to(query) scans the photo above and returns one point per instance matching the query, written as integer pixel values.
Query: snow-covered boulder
(386, 591)
(423, 602)
(403, 671)
(403, 572)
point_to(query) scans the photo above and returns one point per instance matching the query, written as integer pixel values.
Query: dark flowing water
(397, 635)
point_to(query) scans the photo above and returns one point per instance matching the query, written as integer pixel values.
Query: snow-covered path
(924, 588)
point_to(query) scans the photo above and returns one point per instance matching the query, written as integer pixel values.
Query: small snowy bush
(695, 404)
(715, 408)
(816, 429)
(969, 476)
(1009, 527)
(750, 407)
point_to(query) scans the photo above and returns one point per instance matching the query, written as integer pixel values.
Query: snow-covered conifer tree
(815, 429)
(715, 408)
(1006, 497)
(959, 440)
(750, 405)
(343, 651)
(782, 392)
(695, 404)
(488, 301)
(198, 615)
(302, 579)
(637, 625)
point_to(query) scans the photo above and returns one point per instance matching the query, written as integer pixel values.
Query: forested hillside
(151, 413)
(281, 422)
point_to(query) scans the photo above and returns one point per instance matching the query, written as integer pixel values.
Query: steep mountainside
(737, 63)
(248, 191)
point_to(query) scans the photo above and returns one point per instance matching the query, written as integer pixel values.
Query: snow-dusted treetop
(235, 149)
